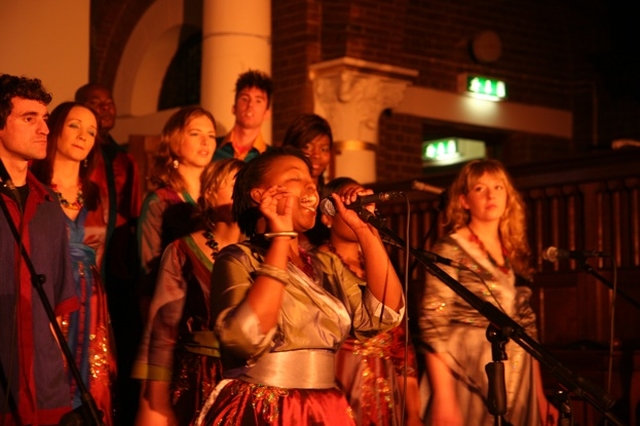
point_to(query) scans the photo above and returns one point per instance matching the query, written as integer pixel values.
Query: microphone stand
(572, 382)
(87, 413)
(564, 410)
(442, 204)
(589, 270)
(497, 392)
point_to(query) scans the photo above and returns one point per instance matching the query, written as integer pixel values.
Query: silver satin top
(316, 316)
(457, 332)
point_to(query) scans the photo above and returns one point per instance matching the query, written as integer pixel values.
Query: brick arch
(148, 53)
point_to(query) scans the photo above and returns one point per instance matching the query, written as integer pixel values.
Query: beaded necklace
(333, 250)
(211, 241)
(504, 268)
(76, 205)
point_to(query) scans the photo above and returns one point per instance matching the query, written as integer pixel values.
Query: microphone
(425, 187)
(327, 207)
(553, 254)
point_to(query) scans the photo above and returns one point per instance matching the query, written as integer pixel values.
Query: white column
(351, 93)
(236, 37)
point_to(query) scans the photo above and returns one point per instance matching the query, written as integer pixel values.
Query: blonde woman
(186, 148)
(487, 235)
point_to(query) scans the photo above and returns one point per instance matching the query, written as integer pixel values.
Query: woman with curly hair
(487, 239)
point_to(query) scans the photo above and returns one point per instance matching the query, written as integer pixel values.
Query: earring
(85, 163)
(329, 226)
(175, 163)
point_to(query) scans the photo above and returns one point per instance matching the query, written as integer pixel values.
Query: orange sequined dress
(369, 370)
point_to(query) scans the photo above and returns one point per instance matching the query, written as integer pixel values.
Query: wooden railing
(586, 203)
(590, 202)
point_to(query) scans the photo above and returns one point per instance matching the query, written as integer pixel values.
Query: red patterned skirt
(245, 404)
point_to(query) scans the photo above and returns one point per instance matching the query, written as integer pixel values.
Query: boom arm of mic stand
(589, 270)
(580, 386)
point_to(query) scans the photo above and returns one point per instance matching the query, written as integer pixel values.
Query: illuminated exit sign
(483, 87)
(442, 152)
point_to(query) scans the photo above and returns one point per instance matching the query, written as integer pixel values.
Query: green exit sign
(439, 149)
(484, 87)
(451, 150)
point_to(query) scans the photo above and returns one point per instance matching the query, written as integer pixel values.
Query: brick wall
(398, 154)
(111, 25)
(547, 60)
(296, 44)
(554, 54)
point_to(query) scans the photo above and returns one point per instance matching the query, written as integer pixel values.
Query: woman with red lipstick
(281, 314)
(71, 153)
(487, 238)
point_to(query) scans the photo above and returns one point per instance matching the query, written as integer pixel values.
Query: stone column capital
(351, 93)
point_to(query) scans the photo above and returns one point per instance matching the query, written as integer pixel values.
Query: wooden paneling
(588, 203)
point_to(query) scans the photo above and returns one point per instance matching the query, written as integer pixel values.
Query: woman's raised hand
(346, 197)
(278, 219)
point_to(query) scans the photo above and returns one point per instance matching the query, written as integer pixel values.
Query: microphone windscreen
(326, 207)
(550, 254)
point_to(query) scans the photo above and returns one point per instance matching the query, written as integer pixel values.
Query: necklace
(333, 250)
(307, 267)
(76, 205)
(504, 268)
(211, 241)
